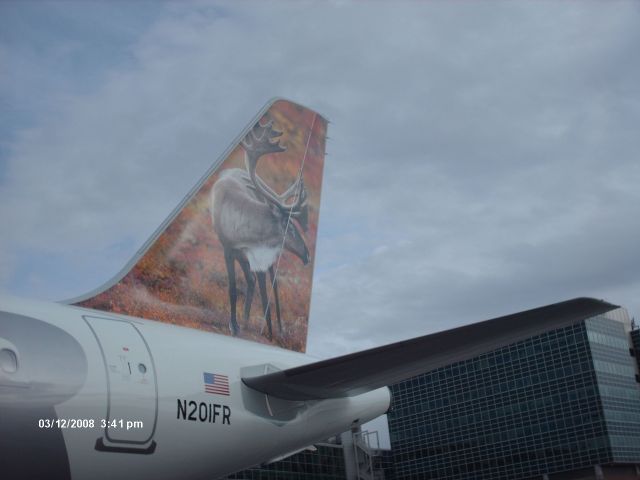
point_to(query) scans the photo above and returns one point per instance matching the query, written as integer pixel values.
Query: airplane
(155, 374)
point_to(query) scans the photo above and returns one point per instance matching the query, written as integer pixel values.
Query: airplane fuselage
(126, 398)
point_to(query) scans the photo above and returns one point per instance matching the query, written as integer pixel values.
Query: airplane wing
(361, 372)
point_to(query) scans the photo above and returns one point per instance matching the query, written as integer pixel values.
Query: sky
(483, 156)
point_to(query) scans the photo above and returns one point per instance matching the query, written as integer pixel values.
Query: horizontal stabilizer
(361, 372)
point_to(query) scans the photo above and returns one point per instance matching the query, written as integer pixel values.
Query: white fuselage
(141, 383)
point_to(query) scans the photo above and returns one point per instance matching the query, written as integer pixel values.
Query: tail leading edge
(236, 256)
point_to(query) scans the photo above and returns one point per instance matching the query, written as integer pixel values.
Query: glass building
(326, 463)
(563, 404)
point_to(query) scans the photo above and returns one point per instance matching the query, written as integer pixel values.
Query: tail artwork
(233, 231)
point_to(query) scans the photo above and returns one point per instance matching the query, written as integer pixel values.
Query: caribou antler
(299, 208)
(257, 143)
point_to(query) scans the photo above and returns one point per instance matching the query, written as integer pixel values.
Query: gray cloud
(482, 156)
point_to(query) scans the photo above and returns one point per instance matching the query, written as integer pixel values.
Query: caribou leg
(233, 294)
(262, 284)
(251, 285)
(274, 282)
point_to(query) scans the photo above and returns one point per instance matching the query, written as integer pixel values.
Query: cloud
(482, 156)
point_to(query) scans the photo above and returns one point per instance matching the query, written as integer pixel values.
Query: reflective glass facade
(619, 392)
(327, 463)
(560, 401)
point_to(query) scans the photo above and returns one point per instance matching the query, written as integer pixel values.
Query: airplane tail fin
(236, 256)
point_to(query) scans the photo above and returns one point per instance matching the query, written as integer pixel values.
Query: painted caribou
(254, 223)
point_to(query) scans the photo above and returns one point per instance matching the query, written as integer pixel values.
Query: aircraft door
(132, 408)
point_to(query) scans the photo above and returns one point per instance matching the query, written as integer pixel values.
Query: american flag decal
(216, 384)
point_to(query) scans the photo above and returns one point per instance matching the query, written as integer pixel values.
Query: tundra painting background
(182, 278)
